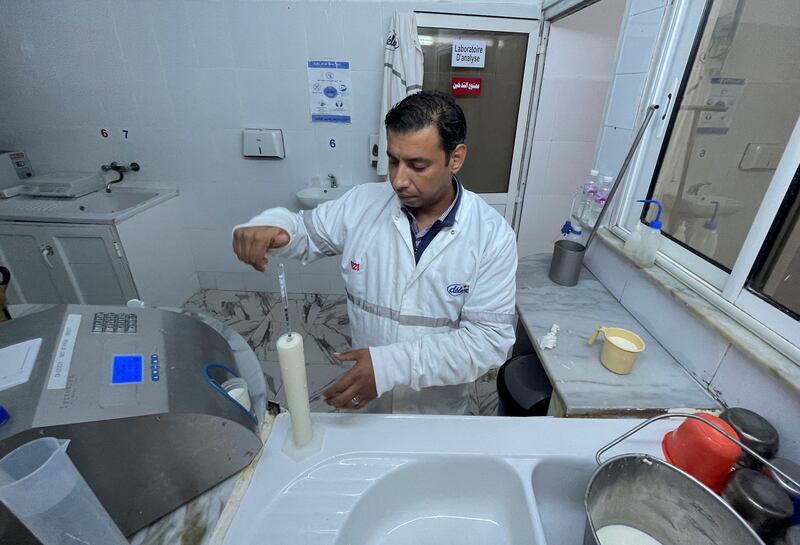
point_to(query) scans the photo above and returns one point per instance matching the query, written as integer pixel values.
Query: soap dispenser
(705, 240)
(645, 254)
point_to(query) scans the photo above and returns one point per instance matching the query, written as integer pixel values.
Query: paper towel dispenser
(263, 143)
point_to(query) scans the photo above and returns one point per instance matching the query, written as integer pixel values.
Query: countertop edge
(240, 488)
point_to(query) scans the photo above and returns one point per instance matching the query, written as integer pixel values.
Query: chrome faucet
(695, 189)
(121, 169)
(334, 182)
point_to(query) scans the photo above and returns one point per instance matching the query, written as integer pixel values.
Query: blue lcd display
(127, 369)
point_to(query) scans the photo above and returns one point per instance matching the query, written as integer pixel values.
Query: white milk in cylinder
(619, 534)
(293, 372)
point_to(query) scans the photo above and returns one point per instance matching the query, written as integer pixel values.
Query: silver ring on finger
(354, 401)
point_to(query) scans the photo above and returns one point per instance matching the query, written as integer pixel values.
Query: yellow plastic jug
(620, 348)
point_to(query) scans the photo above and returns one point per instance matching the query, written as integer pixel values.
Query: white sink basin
(390, 479)
(311, 197)
(106, 203)
(97, 207)
(448, 500)
(702, 206)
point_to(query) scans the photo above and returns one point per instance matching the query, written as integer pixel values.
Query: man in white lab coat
(428, 266)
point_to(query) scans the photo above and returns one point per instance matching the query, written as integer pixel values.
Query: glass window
(738, 104)
(776, 273)
(492, 115)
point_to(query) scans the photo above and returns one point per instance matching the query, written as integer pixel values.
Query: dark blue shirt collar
(448, 217)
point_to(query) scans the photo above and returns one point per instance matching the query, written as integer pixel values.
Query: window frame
(683, 26)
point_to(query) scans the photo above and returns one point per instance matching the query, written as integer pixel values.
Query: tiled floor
(323, 322)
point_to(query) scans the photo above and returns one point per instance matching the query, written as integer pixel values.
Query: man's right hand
(251, 244)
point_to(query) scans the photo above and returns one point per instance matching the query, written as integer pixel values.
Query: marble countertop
(657, 382)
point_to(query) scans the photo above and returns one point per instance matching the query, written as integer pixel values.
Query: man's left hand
(356, 387)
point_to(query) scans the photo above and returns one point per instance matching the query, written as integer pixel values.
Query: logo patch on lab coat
(457, 289)
(355, 266)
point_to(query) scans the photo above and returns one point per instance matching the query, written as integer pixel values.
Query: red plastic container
(701, 451)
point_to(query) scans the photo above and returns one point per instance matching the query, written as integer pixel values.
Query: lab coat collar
(454, 214)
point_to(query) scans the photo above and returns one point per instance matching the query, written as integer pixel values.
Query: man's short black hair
(426, 108)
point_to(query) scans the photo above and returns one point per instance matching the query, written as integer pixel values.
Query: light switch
(263, 143)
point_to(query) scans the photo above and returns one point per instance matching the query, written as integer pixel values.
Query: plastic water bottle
(586, 213)
(576, 234)
(588, 193)
(594, 210)
(606, 183)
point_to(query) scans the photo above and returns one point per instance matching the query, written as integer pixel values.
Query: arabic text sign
(466, 86)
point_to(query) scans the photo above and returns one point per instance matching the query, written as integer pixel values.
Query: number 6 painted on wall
(332, 143)
(104, 133)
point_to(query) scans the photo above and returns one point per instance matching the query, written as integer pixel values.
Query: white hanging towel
(403, 66)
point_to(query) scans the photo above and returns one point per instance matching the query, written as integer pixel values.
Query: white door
(497, 117)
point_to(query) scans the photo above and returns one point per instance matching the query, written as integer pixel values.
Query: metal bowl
(662, 501)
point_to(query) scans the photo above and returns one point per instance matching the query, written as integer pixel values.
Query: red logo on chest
(355, 266)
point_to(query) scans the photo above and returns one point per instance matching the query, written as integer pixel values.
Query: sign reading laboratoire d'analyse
(468, 54)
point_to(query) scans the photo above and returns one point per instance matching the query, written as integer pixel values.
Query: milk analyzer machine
(137, 391)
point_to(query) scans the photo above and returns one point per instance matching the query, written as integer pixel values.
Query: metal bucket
(565, 268)
(647, 494)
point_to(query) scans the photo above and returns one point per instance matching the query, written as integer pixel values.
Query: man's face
(419, 173)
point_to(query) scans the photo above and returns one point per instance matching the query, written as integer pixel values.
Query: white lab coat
(432, 328)
(403, 68)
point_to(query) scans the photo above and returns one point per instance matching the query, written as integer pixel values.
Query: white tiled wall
(184, 77)
(639, 38)
(578, 70)
(614, 143)
(639, 6)
(626, 91)
(642, 24)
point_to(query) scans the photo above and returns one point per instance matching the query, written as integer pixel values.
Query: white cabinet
(65, 263)
(108, 250)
